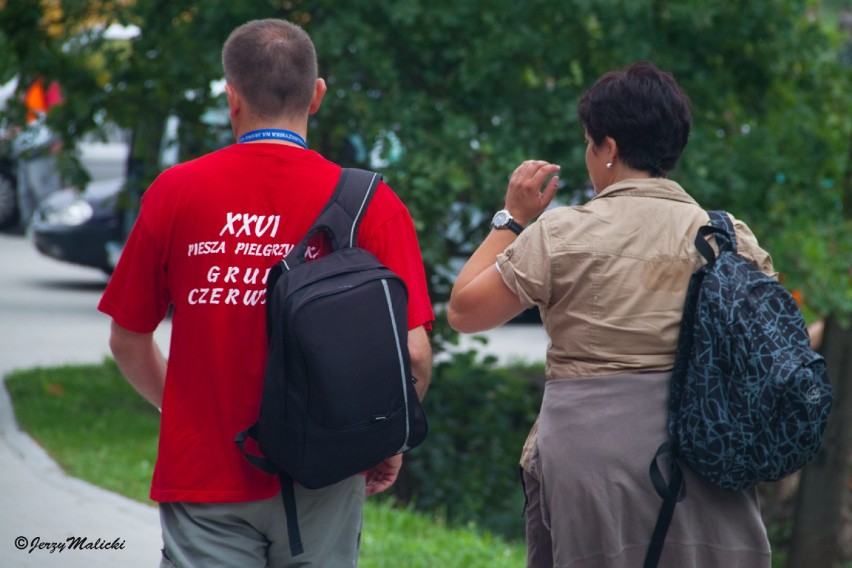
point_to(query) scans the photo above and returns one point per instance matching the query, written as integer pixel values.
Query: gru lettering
(235, 274)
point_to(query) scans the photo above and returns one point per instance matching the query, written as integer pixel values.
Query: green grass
(395, 537)
(98, 429)
(91, 422)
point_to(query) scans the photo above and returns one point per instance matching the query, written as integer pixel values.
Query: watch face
(500, 218)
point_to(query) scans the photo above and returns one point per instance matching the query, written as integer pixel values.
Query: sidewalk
(48, 317)
(41, 506)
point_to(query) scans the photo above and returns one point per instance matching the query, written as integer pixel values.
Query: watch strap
(514, 226)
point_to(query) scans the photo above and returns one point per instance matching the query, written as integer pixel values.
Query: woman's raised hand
(531, 189)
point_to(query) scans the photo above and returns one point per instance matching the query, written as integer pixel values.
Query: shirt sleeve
(749, 248)
(394, 242)
(136, 296)
(525, 265)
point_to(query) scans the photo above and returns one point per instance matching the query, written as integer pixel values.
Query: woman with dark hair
(609, 278)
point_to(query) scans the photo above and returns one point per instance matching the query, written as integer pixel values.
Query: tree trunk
(823, 488)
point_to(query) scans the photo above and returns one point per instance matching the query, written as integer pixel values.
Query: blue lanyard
(273, 134)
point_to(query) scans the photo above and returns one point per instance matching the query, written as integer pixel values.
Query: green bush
(479, 416)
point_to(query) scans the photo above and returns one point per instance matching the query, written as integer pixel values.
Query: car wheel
(8, 202)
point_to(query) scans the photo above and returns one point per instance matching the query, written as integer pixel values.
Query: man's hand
(383, 475)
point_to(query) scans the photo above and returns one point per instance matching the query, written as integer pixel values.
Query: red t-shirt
(207, 234)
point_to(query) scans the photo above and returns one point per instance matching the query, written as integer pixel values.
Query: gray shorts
(254, 534)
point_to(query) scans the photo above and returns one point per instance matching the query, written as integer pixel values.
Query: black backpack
(338, 394)
(749, 398)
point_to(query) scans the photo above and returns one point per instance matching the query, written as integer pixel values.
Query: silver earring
(609, 165)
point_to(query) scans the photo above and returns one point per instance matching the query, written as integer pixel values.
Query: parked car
(8, 170)
(8, 194)
(88, 228)
(83, 228)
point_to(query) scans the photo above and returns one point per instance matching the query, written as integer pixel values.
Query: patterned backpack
(749, 398)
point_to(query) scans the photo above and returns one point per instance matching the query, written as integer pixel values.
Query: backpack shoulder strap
(347, 206)
(721, 220)
(341, 216)
(723, 229)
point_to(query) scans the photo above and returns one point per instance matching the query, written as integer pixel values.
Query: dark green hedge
(479, 416)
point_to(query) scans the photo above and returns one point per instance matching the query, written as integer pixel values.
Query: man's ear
(320, 89)
(235, 102)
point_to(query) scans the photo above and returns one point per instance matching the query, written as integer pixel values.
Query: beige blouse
(610, 276)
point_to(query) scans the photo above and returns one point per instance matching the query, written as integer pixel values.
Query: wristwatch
(503, 220)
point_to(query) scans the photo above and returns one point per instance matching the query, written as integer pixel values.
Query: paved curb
(39, 504)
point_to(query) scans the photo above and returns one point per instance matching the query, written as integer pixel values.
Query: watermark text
(38, 544)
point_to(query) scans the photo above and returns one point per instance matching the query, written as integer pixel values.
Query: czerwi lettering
(238, 224)
(254, 297)
(233, 297)
(215, 295)
(227, 296)
(205, 296)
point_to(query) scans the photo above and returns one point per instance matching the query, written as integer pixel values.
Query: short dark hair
(272, 63)
(644, 110)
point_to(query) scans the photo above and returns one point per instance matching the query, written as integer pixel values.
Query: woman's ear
(609, 147)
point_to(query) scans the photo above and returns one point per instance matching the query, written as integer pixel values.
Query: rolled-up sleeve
(748, 247)
(525, 266)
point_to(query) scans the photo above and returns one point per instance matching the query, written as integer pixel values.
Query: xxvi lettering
(238, 224)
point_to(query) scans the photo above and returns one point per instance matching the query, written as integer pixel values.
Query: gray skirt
(596, 439)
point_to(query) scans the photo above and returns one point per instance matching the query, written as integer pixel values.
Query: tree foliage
(447, 97)
(472, 88)
(461, 91)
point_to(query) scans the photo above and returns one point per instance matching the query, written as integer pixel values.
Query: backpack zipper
(401, 364)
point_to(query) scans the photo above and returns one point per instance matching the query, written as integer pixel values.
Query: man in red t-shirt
(207, 234)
